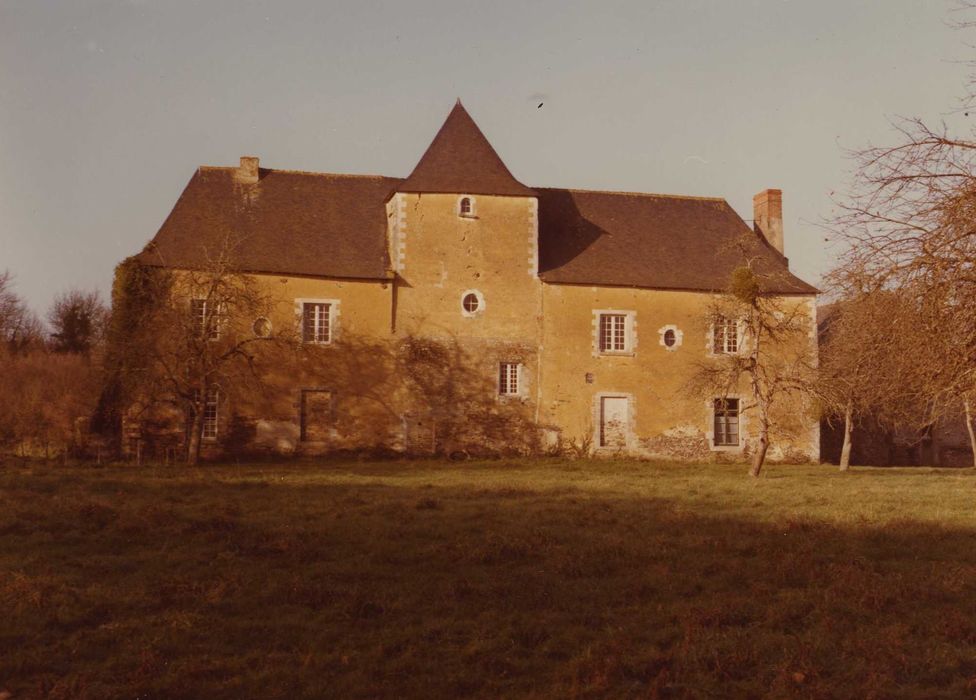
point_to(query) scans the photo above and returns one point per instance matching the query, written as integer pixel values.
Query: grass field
(486, 579)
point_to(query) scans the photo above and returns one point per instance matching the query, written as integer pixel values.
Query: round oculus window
(669, 338)
(470, 302)
(262, 327)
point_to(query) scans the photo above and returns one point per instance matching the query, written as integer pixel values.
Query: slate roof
(460, 160)
(289, 223)
(649, 240)
(326, 225)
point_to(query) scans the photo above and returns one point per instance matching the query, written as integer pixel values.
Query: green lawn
(486, 579)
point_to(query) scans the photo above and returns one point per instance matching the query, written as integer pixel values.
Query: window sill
(616, 353)
(726, 448)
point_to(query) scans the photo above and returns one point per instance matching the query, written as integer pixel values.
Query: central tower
(464, 243)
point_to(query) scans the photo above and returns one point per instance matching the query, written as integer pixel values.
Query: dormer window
(466, 207)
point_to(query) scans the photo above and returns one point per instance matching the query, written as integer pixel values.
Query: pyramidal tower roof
(460, 160)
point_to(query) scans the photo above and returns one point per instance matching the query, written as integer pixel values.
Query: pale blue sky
(107, 107)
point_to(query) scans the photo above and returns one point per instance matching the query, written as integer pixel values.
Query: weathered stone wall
(664, 419)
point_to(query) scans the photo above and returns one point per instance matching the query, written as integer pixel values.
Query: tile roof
(288, 222)
(325, 225)
(460, 160)
(648, 240)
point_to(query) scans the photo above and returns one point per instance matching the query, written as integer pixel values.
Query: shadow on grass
(133, 585)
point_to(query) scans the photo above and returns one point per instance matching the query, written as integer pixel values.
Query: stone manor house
(583, 312)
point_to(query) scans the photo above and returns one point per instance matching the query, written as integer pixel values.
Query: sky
(108, 106)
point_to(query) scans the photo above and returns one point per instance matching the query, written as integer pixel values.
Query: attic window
(466, 207)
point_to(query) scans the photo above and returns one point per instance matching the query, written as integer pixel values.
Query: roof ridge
(302, 172)
(634, 194)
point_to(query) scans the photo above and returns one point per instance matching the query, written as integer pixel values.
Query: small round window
(670, 337)
(472, 302)
(262, 327)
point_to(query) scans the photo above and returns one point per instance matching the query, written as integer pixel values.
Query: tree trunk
(193, 439)
(845, 453)
(969, 427)
(760, 456)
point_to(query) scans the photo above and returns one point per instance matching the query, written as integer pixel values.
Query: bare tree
(908, 227)
(77, 320)
(178, 336)
(775, 356)
(877, 362)
(20, 328)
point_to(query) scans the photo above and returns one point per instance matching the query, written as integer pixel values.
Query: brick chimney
(248, 172)
(767, 208)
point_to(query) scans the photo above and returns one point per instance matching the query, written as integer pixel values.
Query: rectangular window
(205, 322)
(508, 378)
(726, 422)
(316, 415)
(613, 332)
(316, 322)
(210, 413)
(725, 333)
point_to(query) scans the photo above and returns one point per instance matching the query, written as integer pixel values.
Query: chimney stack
(767, 208)
(248, 172)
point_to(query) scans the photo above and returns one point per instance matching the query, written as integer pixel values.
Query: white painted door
(613, 421)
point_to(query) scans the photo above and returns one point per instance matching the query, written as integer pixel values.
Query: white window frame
(510, 372)
(678, 337)
(629, 332)
(481, 303)
(333, 319)
(710, 433)
(200, 319)
(468, 214)
(210, 418)
(713, 336)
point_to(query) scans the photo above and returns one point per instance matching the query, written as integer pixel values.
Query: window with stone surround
(614, 332)
(466, 207)
(206, 319)
(317, 319)
(726, 422)
(209, 417)
(725, 336)
(472, 303)
(509, 378)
